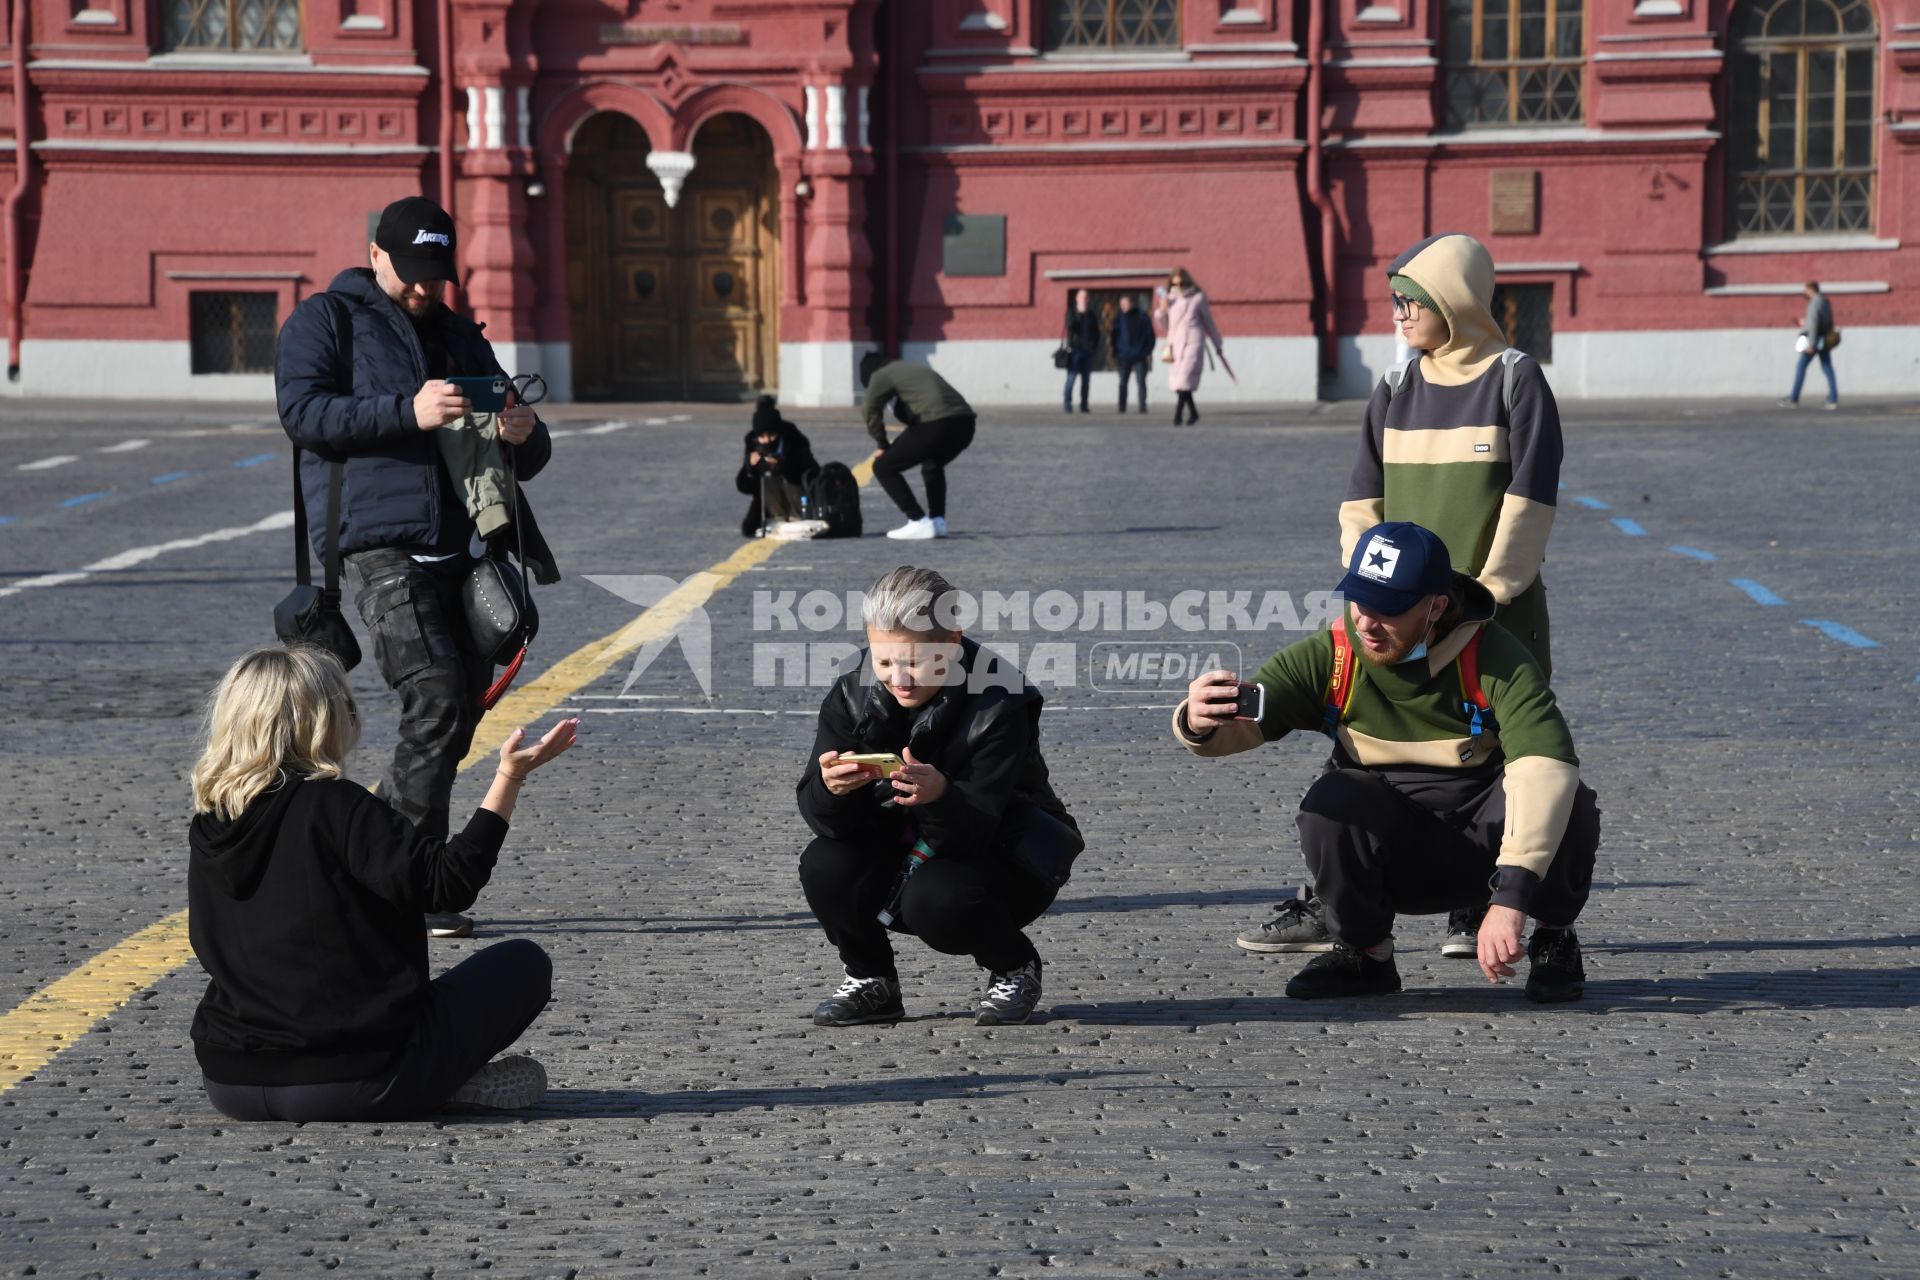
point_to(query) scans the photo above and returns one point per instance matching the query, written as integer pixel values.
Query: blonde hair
(909, 599)
(277, 710)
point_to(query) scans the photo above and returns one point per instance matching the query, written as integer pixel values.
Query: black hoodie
(305, 912)
(791, 450)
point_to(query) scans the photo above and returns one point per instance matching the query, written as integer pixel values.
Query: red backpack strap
(1473, 698)
(1339, 693)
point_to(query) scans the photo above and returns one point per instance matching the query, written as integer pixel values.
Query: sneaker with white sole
(449, 924)
(914, 530)
(939, 526)
(1300, 926)
(861, 1000)
(1463, 933)
(505, 1084)
(1012, 997)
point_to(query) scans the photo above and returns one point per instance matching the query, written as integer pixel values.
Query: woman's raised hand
(517, 761)
(916, 782)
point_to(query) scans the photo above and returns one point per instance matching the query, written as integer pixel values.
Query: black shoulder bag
(311, 615)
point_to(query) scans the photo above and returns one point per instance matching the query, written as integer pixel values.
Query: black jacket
(1083, 331)
(790, 447)
(305, 912)
(349, 395)
(987, 743)
(1132, 335)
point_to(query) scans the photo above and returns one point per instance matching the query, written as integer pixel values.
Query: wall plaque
(1514, 195)
(669, 33)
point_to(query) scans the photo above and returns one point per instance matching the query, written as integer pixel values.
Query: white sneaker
(939, 526)
(915, 530)
(505, 1084)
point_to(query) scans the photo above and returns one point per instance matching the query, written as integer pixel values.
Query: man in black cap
(360, 377)
(1452, 775)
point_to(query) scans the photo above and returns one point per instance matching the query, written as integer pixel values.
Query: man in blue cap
(1452, 774)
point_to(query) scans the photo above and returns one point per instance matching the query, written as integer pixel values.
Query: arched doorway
(674, 303)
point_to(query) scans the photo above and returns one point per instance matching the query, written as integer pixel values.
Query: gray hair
(909, 599)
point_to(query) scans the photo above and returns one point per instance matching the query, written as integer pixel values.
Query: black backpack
(834, 496)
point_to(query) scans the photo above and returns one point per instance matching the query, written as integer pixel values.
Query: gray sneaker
(1300, 926)
(505, 1084)
(861, 1000)
(1012, 998)
(1463, 933)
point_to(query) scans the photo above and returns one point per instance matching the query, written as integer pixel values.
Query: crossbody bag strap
(302, 557)
(336, 479)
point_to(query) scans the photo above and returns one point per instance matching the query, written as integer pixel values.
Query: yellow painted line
(58, 1014)
(64, 1010)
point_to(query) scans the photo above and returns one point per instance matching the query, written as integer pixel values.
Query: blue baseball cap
(1398, 564)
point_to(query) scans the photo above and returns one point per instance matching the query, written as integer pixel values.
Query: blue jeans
(1826, 367)
(1079, 365)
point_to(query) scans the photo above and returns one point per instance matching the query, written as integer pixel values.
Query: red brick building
(704, 198)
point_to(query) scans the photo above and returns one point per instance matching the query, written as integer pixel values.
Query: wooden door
(681, 303)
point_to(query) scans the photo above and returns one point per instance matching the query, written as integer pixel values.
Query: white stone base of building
(1269, 371)
(101, 370)
(821, 374)
(1685, 364)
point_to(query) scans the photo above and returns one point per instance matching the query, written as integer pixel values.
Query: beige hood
(1457, 273)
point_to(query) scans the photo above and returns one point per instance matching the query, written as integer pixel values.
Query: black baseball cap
(1398, 564)
(418, 235)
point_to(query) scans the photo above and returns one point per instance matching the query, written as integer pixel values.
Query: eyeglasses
(1403, 306)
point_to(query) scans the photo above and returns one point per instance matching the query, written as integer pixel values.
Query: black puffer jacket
(350, 396)
(792, 451)
(986, 742)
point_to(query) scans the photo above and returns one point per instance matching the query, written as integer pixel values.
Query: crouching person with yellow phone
(933, 814)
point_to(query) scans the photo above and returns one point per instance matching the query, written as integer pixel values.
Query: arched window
(1514, 62)
(1800, 117)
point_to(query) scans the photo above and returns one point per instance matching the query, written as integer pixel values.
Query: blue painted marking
(1629, 527)
(1693, 552)
(1759, 593)
(1845, 635)
(1563, 484)
(1592, 504)
(83, 499)
(256, 460)
(11, 519)
(171, 476)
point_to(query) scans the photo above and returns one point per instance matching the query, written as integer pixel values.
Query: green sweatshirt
(1412, 721)
(924, 396)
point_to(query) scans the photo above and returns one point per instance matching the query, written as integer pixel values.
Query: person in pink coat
(1189, 322)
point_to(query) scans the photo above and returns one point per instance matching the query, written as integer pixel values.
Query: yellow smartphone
(885, 761)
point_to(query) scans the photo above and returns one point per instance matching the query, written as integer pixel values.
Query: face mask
(1418, 651)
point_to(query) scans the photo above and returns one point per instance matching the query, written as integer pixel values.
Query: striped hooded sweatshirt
(1444, 453)
(1410, 723)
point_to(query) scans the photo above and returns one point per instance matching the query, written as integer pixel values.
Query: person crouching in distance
(931, 809)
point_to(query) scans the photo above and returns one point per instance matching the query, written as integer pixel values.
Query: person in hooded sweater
(929, 848)
(305, 892)
(1444, 450)
(776, 461)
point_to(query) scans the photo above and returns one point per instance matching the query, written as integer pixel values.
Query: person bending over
(940, 845)
(939, 424)
(1453, 774)
(305, 893)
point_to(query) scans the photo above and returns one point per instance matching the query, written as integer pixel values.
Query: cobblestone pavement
(1734, 1097)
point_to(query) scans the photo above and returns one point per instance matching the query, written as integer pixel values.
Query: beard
(1386, 657)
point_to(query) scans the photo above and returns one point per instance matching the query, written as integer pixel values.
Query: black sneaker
(449, 924)
(1555, 971)
(859, 1000)
(1463, 933)
(1344, 972)
(1011, 998)
(1300, 926)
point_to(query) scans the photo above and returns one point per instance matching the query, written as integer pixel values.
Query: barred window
(1524, 313)
(1515, 62)
(232, 332)
(1801, 117)
(233, 26)
(1113, 24)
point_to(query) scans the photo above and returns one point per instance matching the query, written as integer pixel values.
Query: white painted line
(656, 422)
(47, 464)
(607, 428)
(681, 417)
(140, 555)
(125, 446)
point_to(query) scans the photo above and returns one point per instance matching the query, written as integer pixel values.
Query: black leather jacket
(984, 738)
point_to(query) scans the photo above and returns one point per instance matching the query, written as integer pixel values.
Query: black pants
(958, 907)
(1374, 853)
(474, 1011)
(1137, 370)
(930, 446)
(1183, 404)
(1079, 365)
(425, 651)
